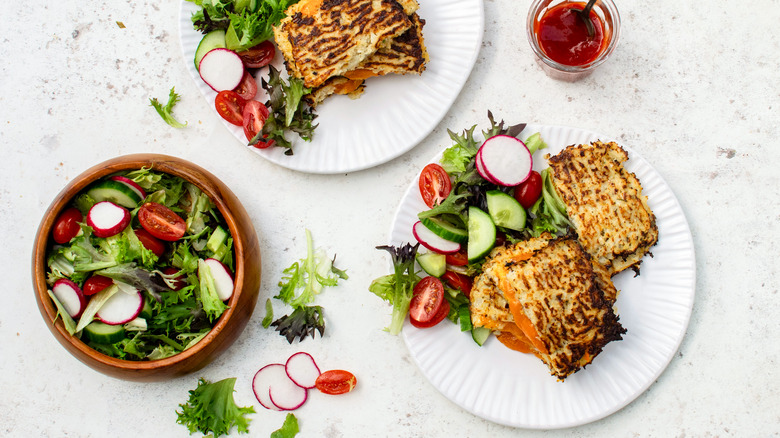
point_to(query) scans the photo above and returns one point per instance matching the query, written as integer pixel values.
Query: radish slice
(122, 307)
(261, 384)
(506, 160)
(130, 184)
(70, 296)
(433, 242)
(302, 370)
(223, 279)
(286, 395)
(481, 168)
(107, 219)
(222, 69)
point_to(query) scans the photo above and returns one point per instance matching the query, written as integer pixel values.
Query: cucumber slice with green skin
(480, 335)
(101, 333)
(218, 237)
(146, 310)
(433, 263)
(482, 233)
(445, 230)
(505, 210)
(116, 192)
(212, 40)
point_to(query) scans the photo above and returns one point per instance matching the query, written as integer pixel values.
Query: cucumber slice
(101, 333)
(482, 233)
(146, 310)
(505, 210)
(212, 40)
(445, 230)
(116, 192)
(480, 335)
(433, 263)
(218, 237)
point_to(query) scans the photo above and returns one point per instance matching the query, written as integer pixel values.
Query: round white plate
(517, 389)
(394, 113)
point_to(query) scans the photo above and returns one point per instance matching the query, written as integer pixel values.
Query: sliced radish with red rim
(70, 296)
(121, 307)
(132, 185)
(222, 69)
(302, 369)
(107, 219)
(223, 279)
(505, 160)
(276, 391)
(433, 242)
(481, 168)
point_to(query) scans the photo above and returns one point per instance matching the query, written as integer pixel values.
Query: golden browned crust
(558, 291)
(605, 204)
(401, 55)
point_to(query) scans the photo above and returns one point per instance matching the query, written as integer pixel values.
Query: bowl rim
(164, 163)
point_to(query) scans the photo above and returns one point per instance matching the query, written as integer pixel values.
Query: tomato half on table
(435, 184)
(255, 115)
(161, 222)
(150, 242)
(230, 106)
(427, 300)
(458, 281)
(259, 55)
(95, 284)
(334, 382)
(66, 226)
(247, 88)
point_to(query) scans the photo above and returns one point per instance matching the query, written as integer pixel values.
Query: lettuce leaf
(212, 409)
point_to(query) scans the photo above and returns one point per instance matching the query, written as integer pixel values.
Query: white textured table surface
(692, 87)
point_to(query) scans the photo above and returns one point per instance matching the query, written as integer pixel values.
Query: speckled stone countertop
(693, 87)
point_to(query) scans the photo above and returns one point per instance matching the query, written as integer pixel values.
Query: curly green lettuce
(212, 409)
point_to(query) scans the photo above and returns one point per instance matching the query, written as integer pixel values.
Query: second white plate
(516, 389)
(394, 114)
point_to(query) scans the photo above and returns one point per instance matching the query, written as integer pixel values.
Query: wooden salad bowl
(227, 328)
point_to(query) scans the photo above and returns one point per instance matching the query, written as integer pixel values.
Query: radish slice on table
(222, 69)
(70, 296)
(302, 369)
(132, 185)
(506, 160)
(433, 242)
(264, 379)
(223, 279)
(107, 219)
(122, 307)
(481, 168)
(286, 395)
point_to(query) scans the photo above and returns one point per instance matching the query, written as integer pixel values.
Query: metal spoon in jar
(584, 14)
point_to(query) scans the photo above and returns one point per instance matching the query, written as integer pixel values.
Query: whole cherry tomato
(230, 105)
(95, 284)
(66, 226)
(161, 222)
(335, 382)
(434, 184)
(529, 191)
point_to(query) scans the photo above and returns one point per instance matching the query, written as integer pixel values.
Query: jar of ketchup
(560, 38)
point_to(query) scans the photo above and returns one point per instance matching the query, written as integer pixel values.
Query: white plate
(517, 389)
(394, 114)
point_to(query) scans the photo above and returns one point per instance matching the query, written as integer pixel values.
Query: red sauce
(563, 37)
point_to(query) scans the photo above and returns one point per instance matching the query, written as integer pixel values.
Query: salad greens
(211, 409)
(247, 23)
(166, 111)
(289, 428)
(288, 111)
(397, 288)
(299, 286)
(177, 317)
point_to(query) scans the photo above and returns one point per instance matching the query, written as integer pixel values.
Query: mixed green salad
(141, 265)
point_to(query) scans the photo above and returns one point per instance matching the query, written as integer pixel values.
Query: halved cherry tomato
(247, 88)
(529, 191)
(66, 226)
(150, 242)
(95, 284)
(444, 310)
(335, 382)
(458, 281)
(255, 114)
(178, 282)
(230, 106)
(427, 299)
(161, 222)
(460, 258)
(259, 55)
(435, 184)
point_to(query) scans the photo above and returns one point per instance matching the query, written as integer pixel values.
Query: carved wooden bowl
(226, 329)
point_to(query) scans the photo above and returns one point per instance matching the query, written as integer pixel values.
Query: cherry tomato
(230, 106)
(259, 55)
(435, 184)
(95, 284)
(67, 226)
(335, 382)
(178, 282)
(458, 281)
(150, 242)
(529, 191)
(247, 89)
(444, 310)
(255, 114)
(161, 222)
(460, 258)
(427, 299)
